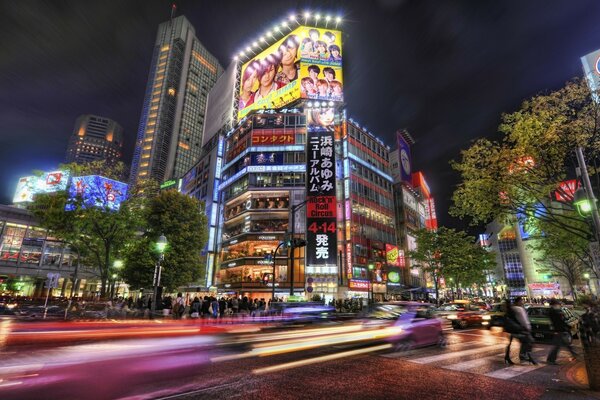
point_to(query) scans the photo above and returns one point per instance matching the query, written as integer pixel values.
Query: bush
(316, 297)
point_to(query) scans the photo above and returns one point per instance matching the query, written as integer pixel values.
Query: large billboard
(307, 63)
(405, 159)
(591, 70)
(321, 231)
(97, 191)
(48, 182)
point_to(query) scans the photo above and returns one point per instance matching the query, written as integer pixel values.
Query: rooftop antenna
(173, 9)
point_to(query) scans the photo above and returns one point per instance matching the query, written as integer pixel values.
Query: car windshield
(388, 311)
(452, 307)
(538, 312)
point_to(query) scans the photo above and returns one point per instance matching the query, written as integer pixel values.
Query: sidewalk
(570, 382)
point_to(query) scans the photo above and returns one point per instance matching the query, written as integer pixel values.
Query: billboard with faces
(307, 63)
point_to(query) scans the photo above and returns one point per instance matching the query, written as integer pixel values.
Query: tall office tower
(95, 138)
(182, 72)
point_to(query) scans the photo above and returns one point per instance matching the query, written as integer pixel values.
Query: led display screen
(97, 191)
(307, 63)
(48, 182)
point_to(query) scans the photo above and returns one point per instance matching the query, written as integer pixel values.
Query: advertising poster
(273, 78)
(591, 70)
(393, 276)
(419, 182)
(266, 159)
(26, 188)
(430, 215)
(392, 257)
(97, 191)
(321, 232)
(49, 182)
(566, 190)
(405, 159)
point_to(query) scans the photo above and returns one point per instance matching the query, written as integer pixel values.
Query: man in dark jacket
(562, 332)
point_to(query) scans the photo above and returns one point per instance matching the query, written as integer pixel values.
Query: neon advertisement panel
(97, 191)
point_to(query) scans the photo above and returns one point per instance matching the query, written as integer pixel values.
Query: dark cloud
(443, 70)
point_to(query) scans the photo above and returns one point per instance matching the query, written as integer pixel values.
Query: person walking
(525, 335)
(511, 326)
(561, 331)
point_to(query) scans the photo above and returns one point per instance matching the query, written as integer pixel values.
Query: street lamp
(161, 246)
(371, 267)
(582, 202)
(293, 246)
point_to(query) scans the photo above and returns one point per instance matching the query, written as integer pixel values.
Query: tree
(98, 234)
(562, 254)
(451, 254)
(517, 175)
(183, 221)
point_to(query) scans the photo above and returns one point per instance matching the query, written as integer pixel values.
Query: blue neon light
(364, 164)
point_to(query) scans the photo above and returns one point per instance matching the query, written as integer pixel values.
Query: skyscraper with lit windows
(182, 72)
(95, 138)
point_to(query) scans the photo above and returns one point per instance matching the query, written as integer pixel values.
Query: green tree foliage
(98, 234)
(519, 173)
(451, 254)
(183, 221)
(561, 253)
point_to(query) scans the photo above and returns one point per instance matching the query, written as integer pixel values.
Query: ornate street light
(161, 246)
(583, 204)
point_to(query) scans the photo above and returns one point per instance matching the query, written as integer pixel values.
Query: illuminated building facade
(182, 71)
(95, 138)
(414, 210)
(28, 254)
(369, 212)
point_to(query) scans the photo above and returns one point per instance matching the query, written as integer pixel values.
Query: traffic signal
(292, 243)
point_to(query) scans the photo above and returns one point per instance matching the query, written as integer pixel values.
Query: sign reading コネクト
(321, 206)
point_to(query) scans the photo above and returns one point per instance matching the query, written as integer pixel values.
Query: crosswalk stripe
(448, 356)
(512, 371)
(477, 362)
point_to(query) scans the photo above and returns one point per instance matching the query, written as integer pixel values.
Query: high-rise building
(182, 72)
(95, 138)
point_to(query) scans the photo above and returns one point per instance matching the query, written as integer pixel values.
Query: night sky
(444, 70)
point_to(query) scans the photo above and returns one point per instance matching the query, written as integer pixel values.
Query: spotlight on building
(306, 15)
(248, 49)
(317, 17)
(338, 20)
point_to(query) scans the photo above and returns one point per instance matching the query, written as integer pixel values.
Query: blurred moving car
(94, 311)
(541, 327)
(463, 313)
(496, 314)
(303, 312)
(418, 324)
(36, 312)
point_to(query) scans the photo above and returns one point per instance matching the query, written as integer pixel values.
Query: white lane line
(512, 371)
(455, 354)
(315, 360)
(477, 362)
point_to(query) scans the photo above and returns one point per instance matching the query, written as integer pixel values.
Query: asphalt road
(216, 366)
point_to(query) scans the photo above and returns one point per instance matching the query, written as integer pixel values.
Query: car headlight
(486, 317)
(451, 317)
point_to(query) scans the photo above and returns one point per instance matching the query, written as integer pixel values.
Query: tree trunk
(437, 291)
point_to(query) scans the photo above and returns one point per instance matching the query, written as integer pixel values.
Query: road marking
(512, 371)
(455, 354)
(477, 362)
(315, 360)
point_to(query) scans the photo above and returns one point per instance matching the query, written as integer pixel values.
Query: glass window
(10, 246)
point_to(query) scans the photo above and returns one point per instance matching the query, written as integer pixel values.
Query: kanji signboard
(320, 191)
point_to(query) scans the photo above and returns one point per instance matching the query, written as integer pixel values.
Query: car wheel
(405, 345)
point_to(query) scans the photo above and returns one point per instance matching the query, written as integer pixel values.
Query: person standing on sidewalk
(562, 332)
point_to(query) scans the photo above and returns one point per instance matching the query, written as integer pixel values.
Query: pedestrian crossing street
(479, 352)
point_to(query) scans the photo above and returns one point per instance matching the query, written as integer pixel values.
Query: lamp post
(273, 258)
(371, 267)
(291, 248)
(161, 246)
